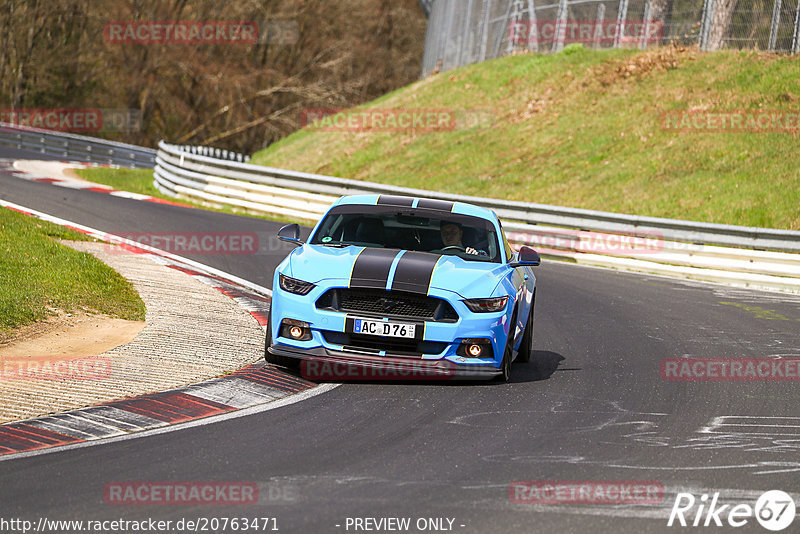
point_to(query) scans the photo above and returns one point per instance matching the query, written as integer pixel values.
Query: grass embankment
(584, 128)
(131, 180)
(39, 276)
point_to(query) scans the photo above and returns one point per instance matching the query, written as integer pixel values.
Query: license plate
(383, 328)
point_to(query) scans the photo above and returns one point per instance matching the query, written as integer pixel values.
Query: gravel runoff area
(192, 333)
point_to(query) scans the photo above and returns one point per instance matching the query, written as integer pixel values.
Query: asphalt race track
(600, 411)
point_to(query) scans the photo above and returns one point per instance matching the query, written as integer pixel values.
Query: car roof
(446, 206)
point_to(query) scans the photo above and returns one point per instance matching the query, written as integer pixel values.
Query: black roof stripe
(432, 204)
(392, 200)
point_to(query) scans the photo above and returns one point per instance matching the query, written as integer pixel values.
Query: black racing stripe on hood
(371, 268)
(414, 272)
(431, 204)
(391, 200)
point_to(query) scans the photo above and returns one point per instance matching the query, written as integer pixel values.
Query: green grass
(39, 275)
(131, 180)
(584, 129)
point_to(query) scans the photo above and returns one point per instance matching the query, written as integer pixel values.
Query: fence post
(707, 22)
(648, 10)
(465, 36)
(561, 26)
(514, 27)
(487, 8)
(444, 35)
(533, 28)
(622, 16)
(499, 40)
(598, 28)
(776, 20)
(796, 37)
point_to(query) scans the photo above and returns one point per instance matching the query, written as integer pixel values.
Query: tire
(526, 347)
(505, 366)
(508, 352)
(289, 363)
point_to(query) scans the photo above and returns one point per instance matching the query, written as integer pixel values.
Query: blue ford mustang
(403, 287)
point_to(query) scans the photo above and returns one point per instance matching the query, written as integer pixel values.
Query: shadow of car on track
(542, 365)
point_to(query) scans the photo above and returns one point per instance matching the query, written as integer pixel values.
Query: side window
(509, 250)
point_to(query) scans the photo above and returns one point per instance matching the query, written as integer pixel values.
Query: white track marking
(268, 405)
(291, 399)
(121, 240)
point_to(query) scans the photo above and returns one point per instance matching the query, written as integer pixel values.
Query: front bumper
(437, 351)
(320, 364)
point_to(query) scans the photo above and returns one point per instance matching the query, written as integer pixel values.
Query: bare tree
(243, 96)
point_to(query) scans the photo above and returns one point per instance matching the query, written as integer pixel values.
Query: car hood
(470, 279)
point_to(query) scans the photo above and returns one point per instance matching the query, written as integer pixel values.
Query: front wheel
(505, 366)
(508, 352)
(526, 348)
(289, 363)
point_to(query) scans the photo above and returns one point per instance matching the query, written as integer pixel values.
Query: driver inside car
(451, 237)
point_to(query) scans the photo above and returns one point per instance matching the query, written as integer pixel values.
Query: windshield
(471, 238)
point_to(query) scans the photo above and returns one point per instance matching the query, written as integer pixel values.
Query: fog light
(295, 330)
(475, 348)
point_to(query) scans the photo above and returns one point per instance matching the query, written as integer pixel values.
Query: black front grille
(395, 304)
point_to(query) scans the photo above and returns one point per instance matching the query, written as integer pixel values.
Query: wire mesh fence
(461, 32)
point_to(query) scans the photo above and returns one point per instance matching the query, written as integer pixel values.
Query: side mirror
(527, 257)
(291, 234)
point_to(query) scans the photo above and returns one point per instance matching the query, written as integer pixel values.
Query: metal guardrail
(736, 255)
(684, 249)
(175, 167)
(76, 147)
(217, 153)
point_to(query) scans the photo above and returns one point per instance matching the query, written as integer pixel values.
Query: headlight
(486, 305)
(293, 285)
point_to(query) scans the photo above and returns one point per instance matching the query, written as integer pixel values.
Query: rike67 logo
(774, 510)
